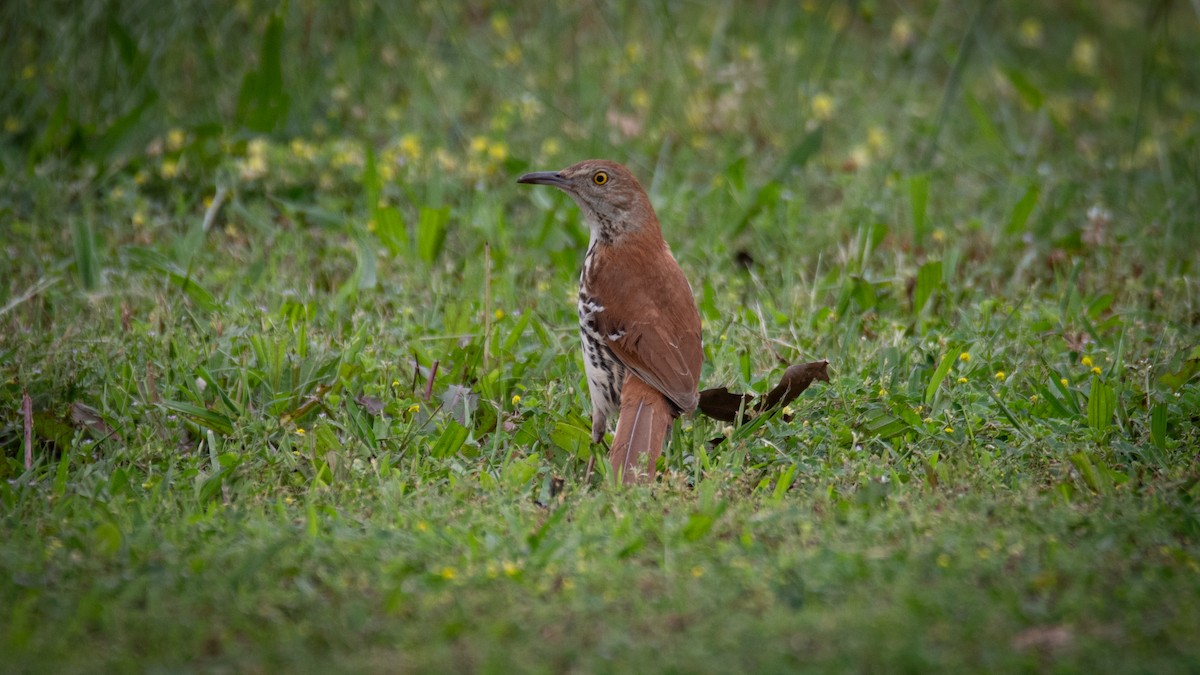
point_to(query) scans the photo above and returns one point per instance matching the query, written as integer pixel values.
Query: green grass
(303, 369)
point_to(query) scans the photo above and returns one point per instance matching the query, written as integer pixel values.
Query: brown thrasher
(641, 331)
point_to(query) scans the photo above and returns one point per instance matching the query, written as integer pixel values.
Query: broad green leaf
(312, 522)
(1185, 372)
(86, 264)
(517, 331)
(365, 271)
(391, 229)
(784, 483)
(1023, 209)
(573, 439)
(884, 425)
(108, 538)
(151, 259)
(700, 523)
(262, 102)
(360, 424)
(536, 538)
(1158, 426)
(431, 232)
(1099, 305)
(1087, 471)
(983, 120)
(1102, 402)
(452, 438)
(1030, 94)
(929, 279)
(517, 473)
(202, 417)
(211, 381)
(118, 134)
(52, 428)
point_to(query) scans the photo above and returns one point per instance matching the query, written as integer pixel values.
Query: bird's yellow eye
(600, 178)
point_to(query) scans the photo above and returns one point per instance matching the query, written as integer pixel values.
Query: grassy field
(290, 378)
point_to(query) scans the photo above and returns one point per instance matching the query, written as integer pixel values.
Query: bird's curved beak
(545, 178)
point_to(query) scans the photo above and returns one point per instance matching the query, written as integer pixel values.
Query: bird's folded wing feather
(661, 346)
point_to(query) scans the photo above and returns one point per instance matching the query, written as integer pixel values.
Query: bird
(640, 329)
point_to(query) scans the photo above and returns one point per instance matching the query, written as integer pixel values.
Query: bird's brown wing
(653, 328)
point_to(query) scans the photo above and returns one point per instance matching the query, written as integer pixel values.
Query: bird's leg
(587, 476)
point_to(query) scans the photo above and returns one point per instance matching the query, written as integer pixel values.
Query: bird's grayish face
(612, 200)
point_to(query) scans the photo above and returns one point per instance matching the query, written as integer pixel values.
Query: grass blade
(940, 374)
(85, 253)
(918, 200)
(1023, 209)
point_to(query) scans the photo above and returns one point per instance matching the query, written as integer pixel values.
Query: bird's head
(612, 200)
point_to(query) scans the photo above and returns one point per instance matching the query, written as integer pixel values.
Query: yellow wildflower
(640, 99)
(551, 147)
(410, 146)
(823, 107)
(253, 167)
(902, 33)
(497, 151)
(302, 149)
(501, 27)
(446, 161)
(877, 140)
(1030, 32)
(965, 357)
(1085, 55)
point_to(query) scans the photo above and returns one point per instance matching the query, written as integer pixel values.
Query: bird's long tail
(641, 430)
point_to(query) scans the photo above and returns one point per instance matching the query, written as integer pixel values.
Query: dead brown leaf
(1044, 638)
(87, 417)
(721, 404)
